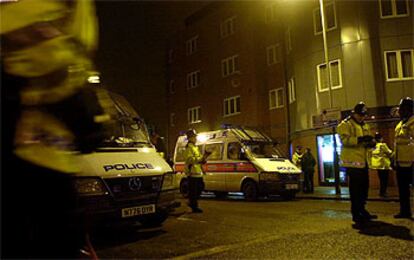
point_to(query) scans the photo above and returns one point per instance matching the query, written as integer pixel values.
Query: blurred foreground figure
(48, 115)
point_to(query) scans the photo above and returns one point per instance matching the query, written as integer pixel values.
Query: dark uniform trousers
(195, 185)
(405, 177)
(358, 190)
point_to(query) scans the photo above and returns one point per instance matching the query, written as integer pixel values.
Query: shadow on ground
(379, 228)
(104, 237)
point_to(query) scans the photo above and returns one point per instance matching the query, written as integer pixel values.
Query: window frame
(292, 90)
(276, 92)
(223, 27)
(330, 75)
(190, 79)
(318, 11)
(190, 115)
(394, 10)
(399, 65)
(227, 103)
(276, 54)
(189, 47)
(225, 66)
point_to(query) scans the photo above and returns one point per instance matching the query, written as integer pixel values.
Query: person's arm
(344, 132)
(386, 150)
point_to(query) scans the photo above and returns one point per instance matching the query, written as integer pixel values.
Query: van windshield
(126, 133)
(264, 150)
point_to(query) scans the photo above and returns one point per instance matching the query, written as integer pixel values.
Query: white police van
(241, 160)
(125, 178)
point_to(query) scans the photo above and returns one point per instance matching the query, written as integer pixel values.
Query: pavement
(323, 192)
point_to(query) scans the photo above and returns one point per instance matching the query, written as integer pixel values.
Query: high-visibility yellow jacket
(297, 159)
(404, 143)
(193, 160)
(381, 157)
(353, 155)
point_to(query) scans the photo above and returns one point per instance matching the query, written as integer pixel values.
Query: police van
(242, 160)
(125, 178)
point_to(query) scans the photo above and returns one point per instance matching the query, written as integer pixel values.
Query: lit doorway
(325, 145)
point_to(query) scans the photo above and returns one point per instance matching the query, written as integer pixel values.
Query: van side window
(179, 157)
(216, 151)
(233, 151)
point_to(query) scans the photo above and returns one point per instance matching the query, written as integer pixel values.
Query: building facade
(226, 67)
(262, 64)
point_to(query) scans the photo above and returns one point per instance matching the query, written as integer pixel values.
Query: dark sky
(132, 50)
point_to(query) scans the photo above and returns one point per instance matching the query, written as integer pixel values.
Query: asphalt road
(268, 229)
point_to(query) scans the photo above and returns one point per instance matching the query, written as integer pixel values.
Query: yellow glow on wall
(349, 35)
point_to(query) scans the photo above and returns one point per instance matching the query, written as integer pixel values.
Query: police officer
(381, 161)
(193, 169)
(404, 155)
(356, 140)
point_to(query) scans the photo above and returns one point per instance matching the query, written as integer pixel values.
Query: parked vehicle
(241, 160)
(125, 178)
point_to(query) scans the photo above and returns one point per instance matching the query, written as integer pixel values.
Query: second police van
(241, 160)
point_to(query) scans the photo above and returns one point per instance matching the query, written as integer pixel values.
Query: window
(336, 75)
(271, 13)
(227, 27)
(234, 151)
(216, 151)
(288, 40)
(232, 106)
(172, 119)
(292, 90)
(194, 114)
(393, 8)
(330, 17)
(172, 87)
(276, 98)
(191, 45)
(399, 65)
(230, 65)
(273, 54)
(193, 79)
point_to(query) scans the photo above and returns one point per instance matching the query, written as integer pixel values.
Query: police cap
(190, 133)
(360, 109)
(407, 103)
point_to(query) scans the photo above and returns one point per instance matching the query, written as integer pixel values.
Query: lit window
(191, 45)
(292, 90)
(336, 75)
(232, 106)
(393, 8)
(276, 99)
(288, 40)
(330, 16)
(227, 27)
(230, 65)
(273, 54)
(194, 115)
(193, 79)
(172, 87)
(172, 119)
(399, 65)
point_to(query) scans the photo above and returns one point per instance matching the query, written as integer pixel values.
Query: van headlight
(168, 180)
(90, 187)
(269, 176)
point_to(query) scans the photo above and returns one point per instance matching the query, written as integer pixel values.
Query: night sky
(132, 51)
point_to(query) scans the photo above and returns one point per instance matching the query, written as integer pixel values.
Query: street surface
(232, 228)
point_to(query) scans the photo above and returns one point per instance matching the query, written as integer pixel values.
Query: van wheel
(288, 195)
(250, 191)
(220, 194)
(154, 220)
(184, 188)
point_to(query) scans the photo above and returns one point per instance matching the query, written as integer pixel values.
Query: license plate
(292, 186)
(136, 211)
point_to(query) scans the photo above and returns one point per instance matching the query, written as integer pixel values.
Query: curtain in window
(407, 64)
(392, 65)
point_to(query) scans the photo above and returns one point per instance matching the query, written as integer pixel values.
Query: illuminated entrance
(325, 145)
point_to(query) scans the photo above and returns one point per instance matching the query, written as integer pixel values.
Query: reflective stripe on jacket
(380, 157)
(193, 159)
(353, 155)
(404, 143)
